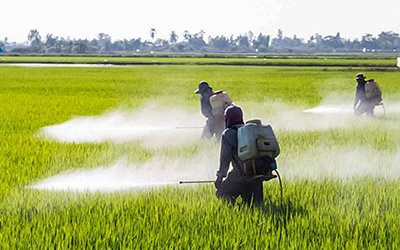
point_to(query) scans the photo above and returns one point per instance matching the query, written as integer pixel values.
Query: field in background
(380, 62)
(340, 174)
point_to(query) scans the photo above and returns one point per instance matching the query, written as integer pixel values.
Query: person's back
(205, 104)
(229, 145)
(361, 103)
(235, 184)
(214, 124)
(360, 89)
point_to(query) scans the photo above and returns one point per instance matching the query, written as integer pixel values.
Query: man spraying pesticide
(251, 149)
(212, 105)
(368, 95)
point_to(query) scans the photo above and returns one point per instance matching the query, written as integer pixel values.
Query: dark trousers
(250, 192)
(366, 108)
(214, 127)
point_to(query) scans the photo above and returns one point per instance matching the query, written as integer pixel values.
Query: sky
(127, 19)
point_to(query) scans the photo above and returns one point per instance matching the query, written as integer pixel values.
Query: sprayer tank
(255, 140)
(219, 101)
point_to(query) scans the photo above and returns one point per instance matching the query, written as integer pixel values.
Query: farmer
(214, 124)
(361, 104)
(235, 184)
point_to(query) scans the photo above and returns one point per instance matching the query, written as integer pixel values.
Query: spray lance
(263, 177)
(257, 148)
(195, 182)
(189, 127)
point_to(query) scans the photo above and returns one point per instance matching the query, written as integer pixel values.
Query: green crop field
(385, 61)
(340, 174)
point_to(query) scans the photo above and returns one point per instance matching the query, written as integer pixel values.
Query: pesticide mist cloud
(156, 127)
(159, 127)
(342, 163)
(327, 161)
(165, 126)
(122, 175)
(326, 116)
(332, 113)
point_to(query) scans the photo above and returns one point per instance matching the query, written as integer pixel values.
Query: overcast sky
(127, 19)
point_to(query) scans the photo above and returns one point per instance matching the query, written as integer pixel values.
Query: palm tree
(35, 40)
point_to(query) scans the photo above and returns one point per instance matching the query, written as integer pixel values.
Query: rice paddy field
(91, 157)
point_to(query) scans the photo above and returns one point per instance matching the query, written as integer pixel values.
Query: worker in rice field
(214, 124)
(361, 103)
(235, 184)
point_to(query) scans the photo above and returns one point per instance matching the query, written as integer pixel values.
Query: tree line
(388, 42)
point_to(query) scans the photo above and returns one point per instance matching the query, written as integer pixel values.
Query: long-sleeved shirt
(205, 104)
(360, 93)
(229, 154)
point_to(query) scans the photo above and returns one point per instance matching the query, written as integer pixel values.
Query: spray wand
(192, 182)
(210, 181)
(188, 127)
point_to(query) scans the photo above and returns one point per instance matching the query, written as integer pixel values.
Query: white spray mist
(162, 127)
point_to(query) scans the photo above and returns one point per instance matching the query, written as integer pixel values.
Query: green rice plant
(330, 60)
(318, 210)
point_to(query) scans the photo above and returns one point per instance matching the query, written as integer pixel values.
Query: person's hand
(218, 183)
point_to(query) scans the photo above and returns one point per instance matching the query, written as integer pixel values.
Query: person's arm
(206, 108)
(225, 157)
(357, 98)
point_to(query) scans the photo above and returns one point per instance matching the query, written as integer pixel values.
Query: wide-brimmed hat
(360, 76)
(203, 85)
